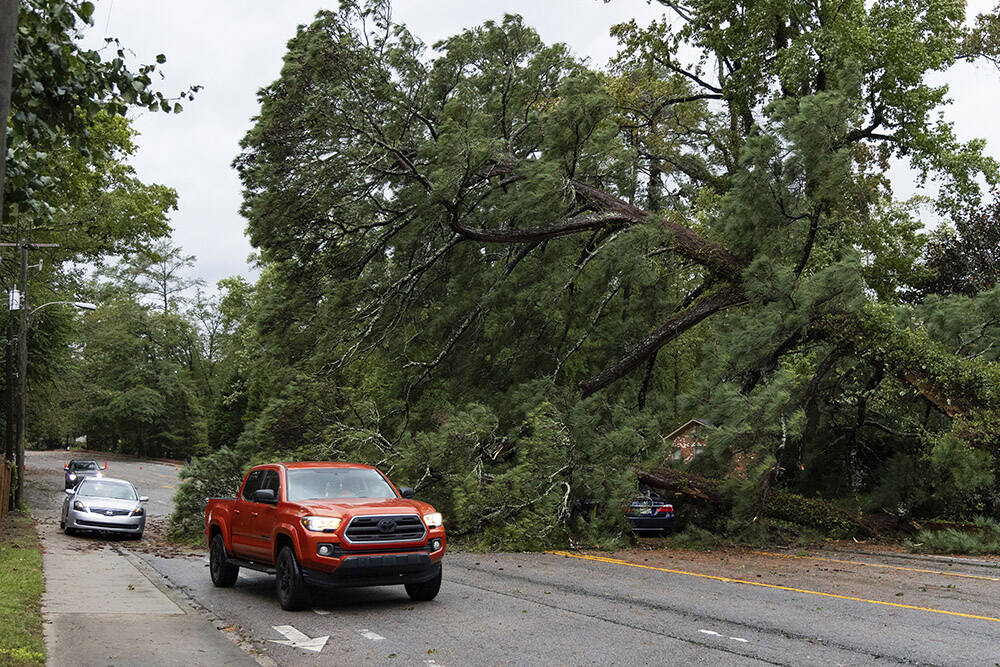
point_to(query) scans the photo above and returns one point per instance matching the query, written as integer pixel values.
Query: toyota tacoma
(325, 525)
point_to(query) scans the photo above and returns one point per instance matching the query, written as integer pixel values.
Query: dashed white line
(710, 632)
(374, 636)
(321, 612)
(739, 639)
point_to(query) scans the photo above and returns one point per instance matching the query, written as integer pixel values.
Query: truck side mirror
(265, 496)
(143, 499)
(70, 492)
(407, 492)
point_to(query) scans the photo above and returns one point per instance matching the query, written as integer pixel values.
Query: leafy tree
(964, 259)
(495, 224)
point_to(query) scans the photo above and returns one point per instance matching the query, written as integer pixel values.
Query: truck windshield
(319, 483)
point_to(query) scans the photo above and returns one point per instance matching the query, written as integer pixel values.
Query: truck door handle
(236, 511)
(253, 514)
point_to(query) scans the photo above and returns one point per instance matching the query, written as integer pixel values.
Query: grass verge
(21, 587)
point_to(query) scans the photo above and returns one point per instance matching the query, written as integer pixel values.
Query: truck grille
(385, 528)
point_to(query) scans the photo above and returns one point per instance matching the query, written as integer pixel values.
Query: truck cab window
(252, 484)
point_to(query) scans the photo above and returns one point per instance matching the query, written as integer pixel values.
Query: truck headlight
(79, 507)
(433, 520)
(325, 524)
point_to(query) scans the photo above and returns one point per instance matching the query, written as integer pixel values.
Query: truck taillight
(665, 509)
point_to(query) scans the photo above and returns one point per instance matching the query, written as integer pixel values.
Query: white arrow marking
(296, 639)
(374, 636)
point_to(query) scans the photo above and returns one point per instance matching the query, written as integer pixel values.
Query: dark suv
(78, 469)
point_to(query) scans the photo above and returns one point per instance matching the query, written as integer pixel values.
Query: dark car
(649, 513)
(79, 469)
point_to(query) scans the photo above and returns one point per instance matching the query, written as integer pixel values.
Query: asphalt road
(608, 609)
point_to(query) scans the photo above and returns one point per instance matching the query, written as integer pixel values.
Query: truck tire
(223, 573)
(425, 590)
(291, 590)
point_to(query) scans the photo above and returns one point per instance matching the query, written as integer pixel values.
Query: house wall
(688, 445)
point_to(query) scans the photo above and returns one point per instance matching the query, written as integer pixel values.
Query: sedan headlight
(433, 520)
(72, 477)
(79, 507)
(138, 511)
(324, 524)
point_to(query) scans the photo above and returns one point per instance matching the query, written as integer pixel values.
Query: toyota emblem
(386, 525)
(109, 513)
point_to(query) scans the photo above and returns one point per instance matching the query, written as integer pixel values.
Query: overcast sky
(234, 47)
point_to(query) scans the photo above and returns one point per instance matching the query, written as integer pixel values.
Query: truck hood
(356, 506)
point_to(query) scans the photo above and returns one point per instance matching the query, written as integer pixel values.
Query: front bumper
(376, 570)
(373, 564)
(100, 522)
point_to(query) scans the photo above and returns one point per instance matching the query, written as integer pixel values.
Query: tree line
(504, 275)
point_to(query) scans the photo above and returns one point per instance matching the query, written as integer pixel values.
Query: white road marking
(374, 636)
(739, 639)
(431, 662)
(297, 639)
(710, 632)
(321, 612)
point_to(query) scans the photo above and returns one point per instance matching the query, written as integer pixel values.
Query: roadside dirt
(937, 585)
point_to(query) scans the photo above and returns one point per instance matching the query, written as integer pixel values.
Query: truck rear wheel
(291, 590)
(224, 574)
(425, 590)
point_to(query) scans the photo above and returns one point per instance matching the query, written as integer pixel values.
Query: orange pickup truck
(326, 525)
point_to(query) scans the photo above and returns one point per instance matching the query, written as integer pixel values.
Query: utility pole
(22, 372)
(23, 320)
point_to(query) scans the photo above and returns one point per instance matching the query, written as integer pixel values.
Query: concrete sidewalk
(100, 608)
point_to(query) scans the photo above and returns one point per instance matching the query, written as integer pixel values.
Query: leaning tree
(728, 170)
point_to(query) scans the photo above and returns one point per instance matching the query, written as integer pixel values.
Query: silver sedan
(104, 505)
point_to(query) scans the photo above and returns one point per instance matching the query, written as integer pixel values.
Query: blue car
(650, 514)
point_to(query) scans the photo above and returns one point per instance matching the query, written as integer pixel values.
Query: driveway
(633, 607)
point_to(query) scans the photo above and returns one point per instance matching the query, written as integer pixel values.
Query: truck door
(263, 517)
(242, 525)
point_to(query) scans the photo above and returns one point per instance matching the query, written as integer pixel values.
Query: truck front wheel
(224, 574)
(289, 586)
(425, 590)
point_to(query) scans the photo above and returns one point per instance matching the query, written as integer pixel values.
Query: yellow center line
(616, 561)
(890, 567)
(166, 486)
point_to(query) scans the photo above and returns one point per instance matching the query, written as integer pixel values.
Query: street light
(82, 305)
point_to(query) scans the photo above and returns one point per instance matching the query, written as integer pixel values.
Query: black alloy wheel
(290, 588)
(426, 590)
(223, 573)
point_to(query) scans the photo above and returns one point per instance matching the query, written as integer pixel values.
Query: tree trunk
(8, 39)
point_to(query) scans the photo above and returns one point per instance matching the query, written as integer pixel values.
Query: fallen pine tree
(777, 504)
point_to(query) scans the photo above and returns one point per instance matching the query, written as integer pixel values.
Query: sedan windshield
(319, 483)
(84, 465)
(102, 488)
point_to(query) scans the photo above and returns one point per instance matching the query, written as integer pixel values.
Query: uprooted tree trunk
(778, 504)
